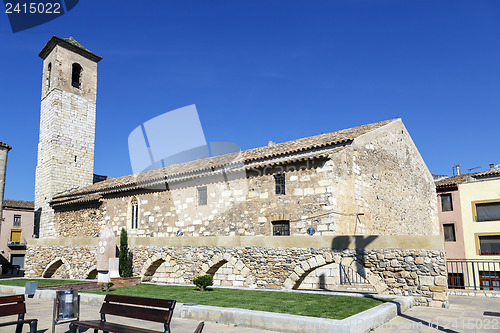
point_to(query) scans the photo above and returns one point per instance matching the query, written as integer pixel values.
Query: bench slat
(11, 299)
(15, 322)
(112, 327)
(156, 302)
(157, 315)
(12, 309)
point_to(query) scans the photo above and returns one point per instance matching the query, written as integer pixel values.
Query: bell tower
(67, 125)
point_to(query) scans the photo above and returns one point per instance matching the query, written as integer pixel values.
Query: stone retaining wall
(418, 273)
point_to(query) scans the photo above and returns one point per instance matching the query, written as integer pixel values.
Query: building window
(135, 213)
(17, 220)
(456, 281)
(281, 228)
(489, 280)
(280, 183)
(76, 76)
(49, 72)
(449, 232)
(15, 236)
(202, 196)
(446, 203)
(488, 211)
(489, 245)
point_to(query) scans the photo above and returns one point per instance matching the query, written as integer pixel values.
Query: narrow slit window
(76, 76)
(135, 213)
(49, 73)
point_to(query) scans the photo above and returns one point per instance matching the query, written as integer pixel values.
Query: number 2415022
(33, 8)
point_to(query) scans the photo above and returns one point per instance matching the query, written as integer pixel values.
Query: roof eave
(54, 41)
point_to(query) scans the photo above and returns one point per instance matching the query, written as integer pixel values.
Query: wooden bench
(148, 309)
(15, 305)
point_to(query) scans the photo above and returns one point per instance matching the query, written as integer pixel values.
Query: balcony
(17, 245)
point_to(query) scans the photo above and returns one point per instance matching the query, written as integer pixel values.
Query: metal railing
(22, 242)
(349, 276)
(474, 274)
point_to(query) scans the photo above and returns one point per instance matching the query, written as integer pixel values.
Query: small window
(15, 236)
(135, 213)
(202, 196)
(17, 220)
(446, 203)
(489, 211)
(76, 76)
(281, 228)
(280, 184)
(449, 232)
(489, 245)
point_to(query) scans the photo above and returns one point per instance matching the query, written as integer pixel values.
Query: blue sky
(269, 70)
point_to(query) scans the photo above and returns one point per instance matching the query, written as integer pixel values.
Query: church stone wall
(378, 185)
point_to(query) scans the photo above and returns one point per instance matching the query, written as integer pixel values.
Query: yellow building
(480, 205)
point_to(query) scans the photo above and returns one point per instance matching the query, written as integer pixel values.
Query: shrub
(204, 281)
(105, 287)
(123, 257)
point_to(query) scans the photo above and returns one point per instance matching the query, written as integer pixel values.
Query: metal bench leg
(19, 328)
(72, 328)
(33, 325)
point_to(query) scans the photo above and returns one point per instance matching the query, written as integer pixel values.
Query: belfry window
(49, 72)
(76, 76)
(135, 213)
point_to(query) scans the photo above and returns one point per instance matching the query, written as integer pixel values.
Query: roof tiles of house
(256, 154)
(18, 204)
(488, 173)
(4, 145)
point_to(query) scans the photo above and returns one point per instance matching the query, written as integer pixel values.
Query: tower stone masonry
(67, 125)
(4, 151)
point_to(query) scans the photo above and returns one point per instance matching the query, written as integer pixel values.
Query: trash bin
(30, 287)
(66, 307)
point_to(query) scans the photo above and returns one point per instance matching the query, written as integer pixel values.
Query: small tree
(123, 258)
(204, 281)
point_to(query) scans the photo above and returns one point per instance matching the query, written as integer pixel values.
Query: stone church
(355, 206)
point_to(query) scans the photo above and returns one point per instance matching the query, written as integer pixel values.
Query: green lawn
(314, 305)
(41, 282)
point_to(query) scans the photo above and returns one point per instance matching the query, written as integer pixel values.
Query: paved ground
(42, 310)
(465, 314)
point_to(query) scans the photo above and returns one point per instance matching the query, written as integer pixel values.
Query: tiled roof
(4, 145)
(460, 179)
(176, 171)
(488, 173)
(454, 180)
(19, 204)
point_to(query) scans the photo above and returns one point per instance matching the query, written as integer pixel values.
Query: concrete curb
(360, 323)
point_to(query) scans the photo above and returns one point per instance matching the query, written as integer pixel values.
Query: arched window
(134, 205)
(49, 72)
(76, 76)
